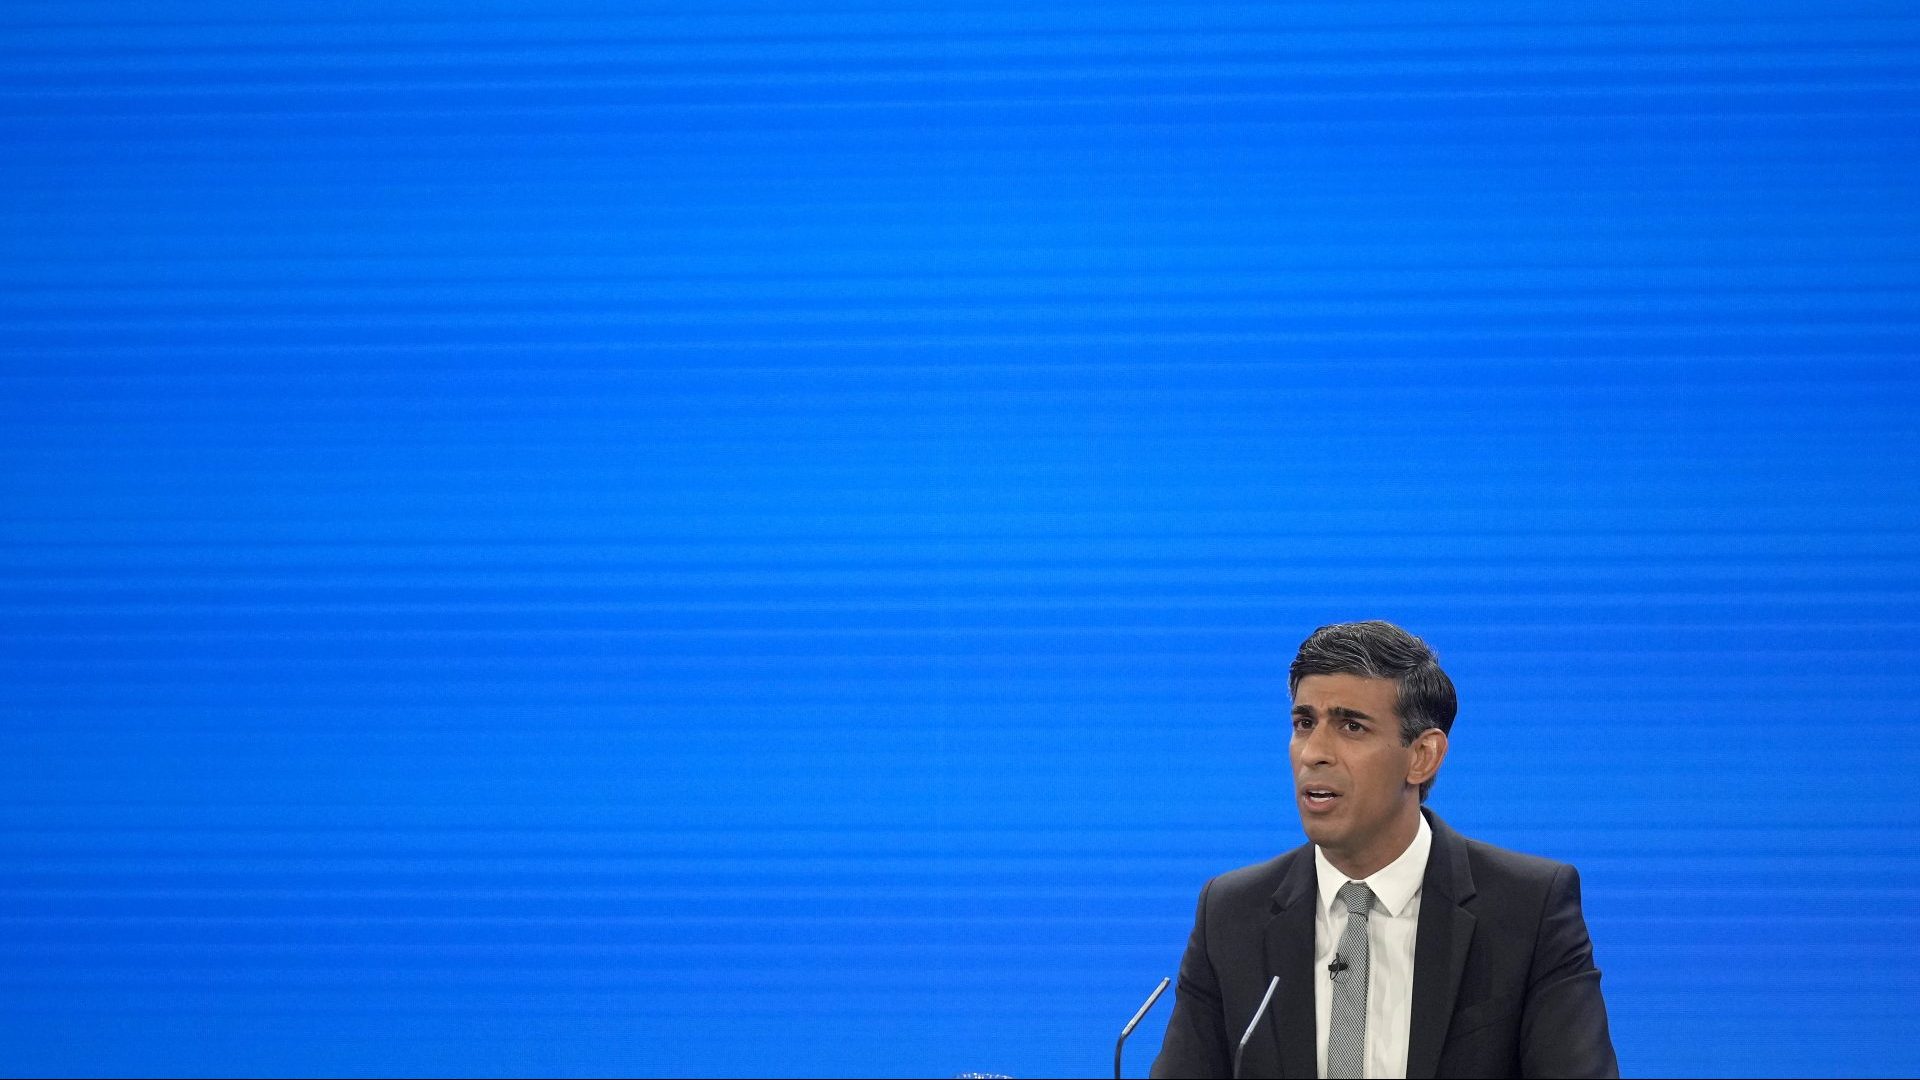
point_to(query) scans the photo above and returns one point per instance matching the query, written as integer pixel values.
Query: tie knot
(1357, 897)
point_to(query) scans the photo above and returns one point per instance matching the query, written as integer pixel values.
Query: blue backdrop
(765, 537)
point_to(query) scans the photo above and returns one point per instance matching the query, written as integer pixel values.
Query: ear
(1429, 750)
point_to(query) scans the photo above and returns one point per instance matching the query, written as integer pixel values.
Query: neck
(1373, 856)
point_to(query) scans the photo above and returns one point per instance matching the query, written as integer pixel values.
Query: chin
(1322, 833)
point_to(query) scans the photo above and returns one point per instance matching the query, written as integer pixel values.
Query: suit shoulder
(1516, 863)
(1501, 871)
(1255, 883)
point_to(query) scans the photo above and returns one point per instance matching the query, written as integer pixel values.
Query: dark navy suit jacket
(1503, 975)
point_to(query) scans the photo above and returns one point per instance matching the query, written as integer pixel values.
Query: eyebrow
(1340, 712)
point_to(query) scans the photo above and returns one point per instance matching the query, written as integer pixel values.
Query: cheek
(1379, 772)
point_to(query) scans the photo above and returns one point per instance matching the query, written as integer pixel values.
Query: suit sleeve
(1564, 1030)
(1196, 1041)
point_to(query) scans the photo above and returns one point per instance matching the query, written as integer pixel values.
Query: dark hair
(1381, 650)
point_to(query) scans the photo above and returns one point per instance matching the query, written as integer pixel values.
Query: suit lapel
(1441, 942)
(1290, 956)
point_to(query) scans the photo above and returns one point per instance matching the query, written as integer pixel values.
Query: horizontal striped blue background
(765, 538)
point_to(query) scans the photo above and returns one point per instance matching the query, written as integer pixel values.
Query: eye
(1353, 727)
(1302, 723)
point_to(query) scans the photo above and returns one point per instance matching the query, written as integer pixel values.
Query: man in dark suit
(1402, 948)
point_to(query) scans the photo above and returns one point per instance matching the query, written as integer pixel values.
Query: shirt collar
(1394, 885)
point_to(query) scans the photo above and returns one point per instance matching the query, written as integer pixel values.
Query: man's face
(1357, 787)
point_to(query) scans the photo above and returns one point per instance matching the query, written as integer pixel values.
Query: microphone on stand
(1272, 985)
(1135, 1022)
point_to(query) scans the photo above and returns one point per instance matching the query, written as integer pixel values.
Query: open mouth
(1319, 796)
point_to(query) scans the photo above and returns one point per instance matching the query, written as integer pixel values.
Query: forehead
(1322, 693)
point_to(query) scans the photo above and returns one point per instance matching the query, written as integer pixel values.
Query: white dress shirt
(1390, 941)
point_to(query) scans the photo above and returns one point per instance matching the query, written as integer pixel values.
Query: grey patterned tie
(1347, 1033)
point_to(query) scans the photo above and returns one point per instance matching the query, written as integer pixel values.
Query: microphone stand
(1272, 985)
(1135, 1022)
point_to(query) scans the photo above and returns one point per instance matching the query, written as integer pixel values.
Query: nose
(1315, 747)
